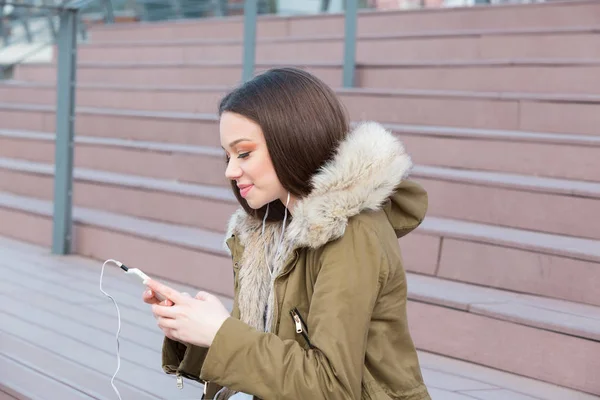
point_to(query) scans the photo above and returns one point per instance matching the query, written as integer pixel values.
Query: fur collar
(364, 172)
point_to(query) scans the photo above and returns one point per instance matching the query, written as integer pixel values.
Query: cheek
(261, 172)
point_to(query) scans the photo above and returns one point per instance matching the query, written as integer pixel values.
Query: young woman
(320, 291)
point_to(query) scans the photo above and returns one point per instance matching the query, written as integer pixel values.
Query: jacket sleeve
(352, 271)
(182, 359)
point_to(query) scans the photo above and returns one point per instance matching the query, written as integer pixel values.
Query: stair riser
(466, 48)
(368, 23)
(206, 75)
(180, 131)
(194, 168)
(468, 112)
(534, 79)
(526, 351)
(145, 203)
(512, 207)
(512, 269)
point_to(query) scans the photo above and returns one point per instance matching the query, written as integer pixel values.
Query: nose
(233, 171)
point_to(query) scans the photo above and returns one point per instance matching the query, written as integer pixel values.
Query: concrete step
(559, 76)
(523, 16)
(167, 72)
(512, 200)
(486, 197)
(459, 45)
(575, 114)
(435, 250)
(476, 320)
(501, 329)
(208, 207)
(522, 75)
(574, 157)
(183, 163)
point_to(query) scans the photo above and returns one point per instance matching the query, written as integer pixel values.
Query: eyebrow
(238, 141)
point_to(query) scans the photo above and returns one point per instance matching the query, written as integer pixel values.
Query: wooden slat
(148, 379)
(8, 394)
(103, 321)
(69, 373)
(34, 385)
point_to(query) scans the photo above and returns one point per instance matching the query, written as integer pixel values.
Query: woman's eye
(244, 155)
(227, 159)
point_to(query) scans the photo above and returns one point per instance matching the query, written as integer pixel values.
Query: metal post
(219, 8)
(350, 42)
(110, 13)
(3, 28)
(65, 118)
(27, 30)
(250, 10)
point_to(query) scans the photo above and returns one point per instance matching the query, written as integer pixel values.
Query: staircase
(497, 105)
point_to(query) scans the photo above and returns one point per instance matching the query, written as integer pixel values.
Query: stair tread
(568, 246)
(504, 95)
(571, 318)
(413, 93)
(429, 130)
(529, 182)
(376, 36)
(568, 317)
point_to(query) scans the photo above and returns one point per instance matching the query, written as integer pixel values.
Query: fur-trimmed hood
(363, 175)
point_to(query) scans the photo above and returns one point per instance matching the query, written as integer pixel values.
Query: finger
(167, 303)
(166, 323)
(204, 296)
(166, 291)
(164, 312)
(148, 297)
(170, 333)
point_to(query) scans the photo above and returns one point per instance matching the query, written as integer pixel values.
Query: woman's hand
(150, 298)
(190, 320)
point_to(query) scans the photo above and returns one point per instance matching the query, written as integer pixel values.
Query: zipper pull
(297, 321)
(179, 382)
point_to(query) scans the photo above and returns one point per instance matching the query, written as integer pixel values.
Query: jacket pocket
(300, 325)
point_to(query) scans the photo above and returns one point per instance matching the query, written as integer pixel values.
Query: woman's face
(248, 160)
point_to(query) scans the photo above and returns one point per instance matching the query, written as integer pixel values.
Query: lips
(244, 189)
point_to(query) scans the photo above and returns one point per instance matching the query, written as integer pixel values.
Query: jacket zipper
(275, 302)
(300, 325)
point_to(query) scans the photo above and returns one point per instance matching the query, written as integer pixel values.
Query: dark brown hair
(302, 120)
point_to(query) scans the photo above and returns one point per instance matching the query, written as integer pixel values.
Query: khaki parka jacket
(330, 321)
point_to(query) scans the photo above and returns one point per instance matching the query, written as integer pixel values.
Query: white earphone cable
(112, 380)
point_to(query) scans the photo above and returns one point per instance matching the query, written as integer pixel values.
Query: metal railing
(68, 15)
(65, 38)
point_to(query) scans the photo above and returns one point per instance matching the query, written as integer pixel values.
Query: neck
(291, 204)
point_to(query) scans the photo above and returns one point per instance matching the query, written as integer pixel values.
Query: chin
(255, 205)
